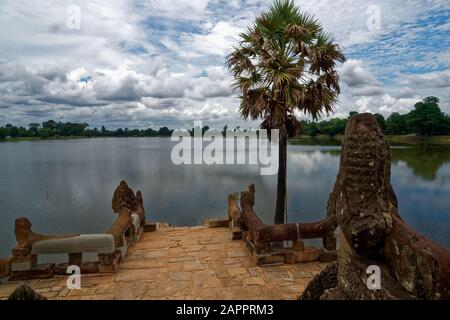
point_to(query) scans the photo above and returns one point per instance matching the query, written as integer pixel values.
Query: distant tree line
(52, 128)
(426, 119)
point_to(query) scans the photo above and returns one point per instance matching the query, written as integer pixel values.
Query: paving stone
(220, 270)
(7, 289)
(42, 284)
(184, 263)
(176, 251)
(105, 289)
(212, 255)
(96, 280)
(180, 276)
(175, 266)
(64, 292)
(81, 292)
(181, 259)
(193, 266)
(237, 271)
(231, 282)
(131, 291)
(255, 271)
(138, 274)
(142, 264)
(51, 294)
(235, 253)
(257, 281)
(302, 274)
(193, 248)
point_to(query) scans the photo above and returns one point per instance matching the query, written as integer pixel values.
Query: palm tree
(285, 63)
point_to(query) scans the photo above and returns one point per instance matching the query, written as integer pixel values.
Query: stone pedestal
(109, 263)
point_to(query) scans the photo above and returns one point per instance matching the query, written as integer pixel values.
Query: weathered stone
(208, 276)
(309, 254)
(85, 268)
(5, 267)
(123, 197)
(216, 223)
(262, 260)
(328, 256)
(231, 282)
(237, 271)
(321, 282)
(150, 227)
(193, 266)
(254, 281)
(372, 231)
(25, 292)
(180, 276)
(255, 271)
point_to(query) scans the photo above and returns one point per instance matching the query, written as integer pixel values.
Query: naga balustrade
(264, 240)
(110, 247)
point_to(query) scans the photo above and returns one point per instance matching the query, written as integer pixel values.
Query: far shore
(409, 139)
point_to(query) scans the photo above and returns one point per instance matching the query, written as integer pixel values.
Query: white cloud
(162, 62)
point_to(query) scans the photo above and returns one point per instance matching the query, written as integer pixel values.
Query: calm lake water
(66, 186)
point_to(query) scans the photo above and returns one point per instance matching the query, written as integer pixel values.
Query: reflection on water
(424, 161)
(66, 186)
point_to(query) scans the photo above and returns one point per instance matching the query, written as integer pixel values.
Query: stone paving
(184, 263)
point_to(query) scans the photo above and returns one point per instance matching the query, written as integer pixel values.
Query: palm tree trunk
(281, 184)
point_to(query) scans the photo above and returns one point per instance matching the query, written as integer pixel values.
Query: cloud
(359, 80)
(136, 63)
(355, 76)
(435, 79)
(386, 104)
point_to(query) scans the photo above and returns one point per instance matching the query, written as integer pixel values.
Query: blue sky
(153, 63)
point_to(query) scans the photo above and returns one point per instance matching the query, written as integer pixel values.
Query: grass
(407, 139)
(417, 140)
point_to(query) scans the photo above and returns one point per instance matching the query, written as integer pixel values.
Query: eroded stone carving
(123, 196)
(372, 231)
(139, 208)
(25, 292)
(25, 238)
(120, 226)
(5, 267)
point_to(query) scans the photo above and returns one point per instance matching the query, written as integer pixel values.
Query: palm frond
(285, 62)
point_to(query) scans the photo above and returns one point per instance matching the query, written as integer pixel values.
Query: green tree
(50, 125)
(352, 113)
(164, 131)
(427, 119)
(381, 121)
(396, 124)
(3, 132)
(44, 133)
(283, 63)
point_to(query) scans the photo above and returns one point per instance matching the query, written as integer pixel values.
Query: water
(66, 186)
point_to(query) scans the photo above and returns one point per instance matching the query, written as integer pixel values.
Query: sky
(141, 64)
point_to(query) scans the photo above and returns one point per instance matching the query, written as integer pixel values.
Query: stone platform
(184, 263)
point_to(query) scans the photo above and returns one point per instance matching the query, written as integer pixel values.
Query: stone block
(328, 256)
(216, 223)
(261, 260)
(150, 226)
(310, 254)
